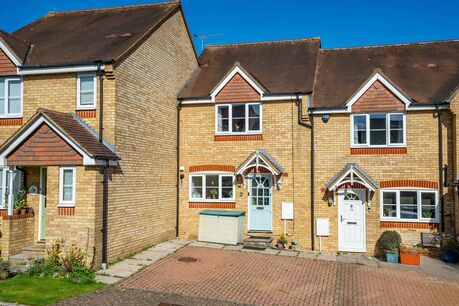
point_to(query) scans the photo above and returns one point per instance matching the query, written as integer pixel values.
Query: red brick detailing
(225, 168)
(410, 225)
(238, 137)
(3, 212)
(66, 211)
(212, 205)
(237, 90)
(356, 151)
(44, 148)
(86, 113)
(10, 121)
(7, 67)
(409, 183)
(13, 217)
(378, 99)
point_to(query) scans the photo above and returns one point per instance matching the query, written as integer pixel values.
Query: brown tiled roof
(15, 44)
(73, 128)
(279, 66)
(86, 36)
(426, 72)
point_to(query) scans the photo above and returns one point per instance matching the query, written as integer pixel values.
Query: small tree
(390, 241)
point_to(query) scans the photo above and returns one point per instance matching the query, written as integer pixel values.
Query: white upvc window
(11, 93)
(211, 187)
(86, 91)
(67, 186)
(240, 118)
(409, 205)
(378, 130)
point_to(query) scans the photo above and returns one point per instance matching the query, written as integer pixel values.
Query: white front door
(351, 220)
(42, 205)
(260, 202)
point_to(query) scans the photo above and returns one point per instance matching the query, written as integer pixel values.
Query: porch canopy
(52, 138)
(260, 162)
(351, 176)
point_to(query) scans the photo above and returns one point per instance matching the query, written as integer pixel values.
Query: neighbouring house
(88, 120)
(360, 140)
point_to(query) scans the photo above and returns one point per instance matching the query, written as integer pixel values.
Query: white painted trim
(329, 111)
(57, 70)
(87, 160)
(230, 119)
(351, 171)
(264, 98)
(363, 198)
(6, 94)
(249, 164)
(249, 201)
(419, 191)
(10, 54)
(63, 203)
(374, 78)
(203, 176)
(41, 202)
(368, 145)
(86, 107)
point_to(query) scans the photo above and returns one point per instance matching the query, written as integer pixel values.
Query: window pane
(68, 177)
(86, 98)
(360, 122)
(428, 205)
(239, 111)
(377, 137)
(428, 212)
(378, 121)
(408, 205)
(227, 181)
(211, 180)
(390, 211)
(254, 110)
(223, 118)
(389, 198)
(396, 136)
(196, 187)
(396, 121)
(408, 197)
(14, 97)
(360, 137)
(14, 88)
(238, 125)
(227, 193)
(254, 124)
(212, 187)
(67, 193)
(2, 97)
(428, 198)
(87, 83)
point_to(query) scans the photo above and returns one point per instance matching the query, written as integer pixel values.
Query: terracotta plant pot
(410, 258)
(16, 211)
(29, 210)
(23, 211)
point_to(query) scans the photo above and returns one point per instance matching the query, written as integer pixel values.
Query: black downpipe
(177, 186)
(310, 125)
(440, 167)
(104, 215)
(101, 102)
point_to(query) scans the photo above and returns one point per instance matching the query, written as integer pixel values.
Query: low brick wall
(17, 232)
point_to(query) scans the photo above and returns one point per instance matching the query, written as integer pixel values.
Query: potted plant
(295, 245)
(390, 242)
(20, 201)
(282, 241)
(450, 248)
(410, 255)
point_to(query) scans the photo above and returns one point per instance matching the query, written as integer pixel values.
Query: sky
(343, 23)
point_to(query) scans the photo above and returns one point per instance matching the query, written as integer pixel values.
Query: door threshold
(260, 232)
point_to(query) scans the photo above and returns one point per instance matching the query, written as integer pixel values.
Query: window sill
(238, 137)
(212, 205)
(10, 121)
(409, 224)
(378, 150)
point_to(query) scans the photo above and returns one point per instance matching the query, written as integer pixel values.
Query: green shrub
(450, 244)
(82, 275)
(4, 269)
(45, 268)
(390, 240)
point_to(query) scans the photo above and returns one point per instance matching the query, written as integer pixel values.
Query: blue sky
(339, 23)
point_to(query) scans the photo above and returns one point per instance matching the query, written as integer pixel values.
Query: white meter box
(287, 210)
(323, 228)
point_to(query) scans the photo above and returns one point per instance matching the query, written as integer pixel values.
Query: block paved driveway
(232, 277)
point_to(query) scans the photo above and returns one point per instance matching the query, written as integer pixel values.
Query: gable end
(7, 67)
(237, 90)
(378, 98)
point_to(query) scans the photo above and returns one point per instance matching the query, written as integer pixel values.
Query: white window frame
(94, 104)
(388, 143)
(203, 175)
(6, 94)
(61, 187)
(230, 119)
(419, 191)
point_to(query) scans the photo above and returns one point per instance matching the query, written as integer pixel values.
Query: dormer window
(378, 130)
(86, 91)
(240, 118)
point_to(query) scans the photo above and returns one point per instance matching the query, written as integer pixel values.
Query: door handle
(342, 219)
(352, 223)
(260, 208)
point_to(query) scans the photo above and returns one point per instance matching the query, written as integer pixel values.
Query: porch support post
(10, 191)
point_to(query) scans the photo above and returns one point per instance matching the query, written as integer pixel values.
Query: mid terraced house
(357, 140)
(88, 117)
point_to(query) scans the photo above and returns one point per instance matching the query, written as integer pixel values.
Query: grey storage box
(221, 226)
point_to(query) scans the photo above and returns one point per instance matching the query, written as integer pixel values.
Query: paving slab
(109, 280)
(289, 253)
(271, 251)
(181, 242)
(165, 246)
(137, 262)
(206, 245)
(152, 255)
(252, 250)
(328, 257)
(346, 259)
(234, 247)
(307, 255)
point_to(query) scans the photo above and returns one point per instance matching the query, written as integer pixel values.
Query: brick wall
(282, 137)
(17, 233)
(142, 206)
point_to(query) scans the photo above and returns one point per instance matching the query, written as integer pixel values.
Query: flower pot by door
(410, 258)
(449, 257)
(392, 257)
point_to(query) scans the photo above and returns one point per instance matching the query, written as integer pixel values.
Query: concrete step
(34, 250)
(258, 242)
(24, 258)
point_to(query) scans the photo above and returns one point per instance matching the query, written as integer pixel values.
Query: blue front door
(260, 202)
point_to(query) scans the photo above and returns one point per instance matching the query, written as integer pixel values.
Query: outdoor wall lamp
(325, 118)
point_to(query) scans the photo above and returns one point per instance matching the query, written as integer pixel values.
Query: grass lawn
(30, 290)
